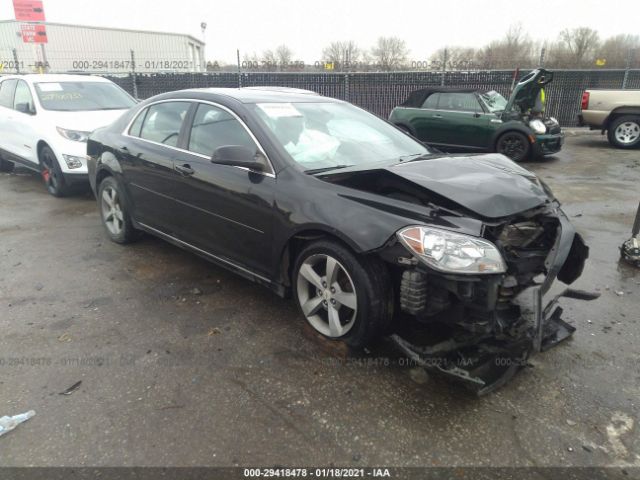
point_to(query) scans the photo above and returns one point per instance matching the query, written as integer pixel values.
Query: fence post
(346, 86)
(239, 68)
(133, 75)
(15, 60)
(627, 68)
(444, 66)
(543, 50)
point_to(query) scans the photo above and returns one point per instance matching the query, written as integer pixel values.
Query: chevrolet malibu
(372, 233)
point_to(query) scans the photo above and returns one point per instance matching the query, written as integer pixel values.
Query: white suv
(45, 121)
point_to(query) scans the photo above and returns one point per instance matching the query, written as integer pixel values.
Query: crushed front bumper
(488, 360)
(548, 144)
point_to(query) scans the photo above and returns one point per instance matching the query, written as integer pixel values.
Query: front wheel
(514, 145)
(113, 211)
(52, 173)
(342, 296)
(624, 132)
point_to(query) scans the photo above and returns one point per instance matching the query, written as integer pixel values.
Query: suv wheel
(6, 166)
(342, 296)
(514, 145)
(113, 211)
(52, 173)
(624, 132)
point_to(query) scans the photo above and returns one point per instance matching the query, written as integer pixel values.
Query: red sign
(28, 10)
(32, 33)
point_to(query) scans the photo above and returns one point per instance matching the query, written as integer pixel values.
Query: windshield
(82, 96)
(333, 135)
(494, 101)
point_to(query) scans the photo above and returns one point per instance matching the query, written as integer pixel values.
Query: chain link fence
(381, 92)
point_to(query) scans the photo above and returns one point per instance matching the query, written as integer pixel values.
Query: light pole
(203, 27)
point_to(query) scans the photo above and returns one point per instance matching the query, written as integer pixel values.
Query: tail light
(585, 100)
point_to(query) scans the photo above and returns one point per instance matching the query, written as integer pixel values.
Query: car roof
(252, 95)
(417, 97)
(50, 77)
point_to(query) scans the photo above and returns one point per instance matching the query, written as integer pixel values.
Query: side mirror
(240, 156)
(25, 108)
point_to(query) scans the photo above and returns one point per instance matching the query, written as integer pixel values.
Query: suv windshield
(494, 101)
(82, 96)
(326, 135)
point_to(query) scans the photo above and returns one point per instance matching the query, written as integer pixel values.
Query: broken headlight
(452, 252)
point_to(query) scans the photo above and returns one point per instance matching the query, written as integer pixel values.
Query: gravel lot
(183, 363)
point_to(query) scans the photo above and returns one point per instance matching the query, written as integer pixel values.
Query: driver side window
(162, 122)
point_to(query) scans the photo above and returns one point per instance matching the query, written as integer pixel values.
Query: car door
(147, 154)
(8, 139)
(461, 121)
(425, 118)
(25, 123)
(226, 210)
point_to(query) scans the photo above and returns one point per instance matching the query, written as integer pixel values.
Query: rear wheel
(52, 173)
(114, 213)
(624, 132)
(6, 166)
(514, 145)
(342, 296)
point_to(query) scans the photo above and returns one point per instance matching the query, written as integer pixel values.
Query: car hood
(86, 121)
(489, 185)
(527, 89)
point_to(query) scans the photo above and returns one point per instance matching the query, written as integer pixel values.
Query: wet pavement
(183, 363)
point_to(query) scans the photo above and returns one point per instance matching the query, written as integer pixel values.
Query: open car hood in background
(526, 90)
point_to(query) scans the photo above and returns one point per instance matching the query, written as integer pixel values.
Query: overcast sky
(307, 26)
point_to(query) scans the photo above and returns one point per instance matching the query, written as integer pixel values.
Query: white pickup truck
(615, 111)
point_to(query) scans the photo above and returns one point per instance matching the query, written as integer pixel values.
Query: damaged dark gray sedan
(373, 234)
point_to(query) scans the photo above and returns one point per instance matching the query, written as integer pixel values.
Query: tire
(6, 166)
(114, 213)
(360, 294)
(514, 145)
(624, 132)
(52, 173)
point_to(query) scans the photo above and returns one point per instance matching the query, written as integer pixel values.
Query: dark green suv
(468, 119)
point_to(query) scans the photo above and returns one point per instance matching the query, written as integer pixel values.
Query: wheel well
(41, 144)
(102, 174)
(619, 112)
(295, 245)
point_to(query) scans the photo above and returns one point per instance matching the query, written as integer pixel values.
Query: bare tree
(615, 51)
(269, 59)
(457, 58)
(581, 45)
(390, 53)
(515, 49)
(284, 56)
(345, 54)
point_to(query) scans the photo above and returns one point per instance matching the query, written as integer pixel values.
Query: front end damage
(481, 329)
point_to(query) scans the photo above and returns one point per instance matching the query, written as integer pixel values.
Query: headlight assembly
(75, 135)
(452, 252)
(538, 126)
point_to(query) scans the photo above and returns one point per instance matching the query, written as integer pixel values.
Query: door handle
(184, 169)
(436, 115)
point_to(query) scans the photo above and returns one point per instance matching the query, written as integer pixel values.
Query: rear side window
(6, 92)
(163, 121)
(431, 101)
(214, 127)
(461, 102)
(136, 126)
(23, 96)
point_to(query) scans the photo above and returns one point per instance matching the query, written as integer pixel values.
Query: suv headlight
(452, 252)
(538, 126)
(75, 135)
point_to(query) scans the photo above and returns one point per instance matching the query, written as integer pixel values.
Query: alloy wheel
(49, 172)
(112, 211)
(327, 295)
(627, 133)
(513, 147)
